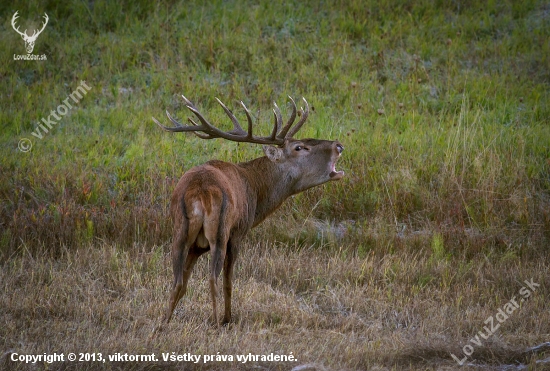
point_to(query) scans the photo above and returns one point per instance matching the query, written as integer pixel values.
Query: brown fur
(215, 204)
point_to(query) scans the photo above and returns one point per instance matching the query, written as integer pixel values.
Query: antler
(35, 34)
(237, 134)
(24, 34)
(15, 16)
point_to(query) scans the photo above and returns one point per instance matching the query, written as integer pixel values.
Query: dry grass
(332, 308)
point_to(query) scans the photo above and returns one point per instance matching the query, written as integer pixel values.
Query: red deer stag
(215, 204)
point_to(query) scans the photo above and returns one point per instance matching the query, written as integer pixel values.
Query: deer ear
(275, 154)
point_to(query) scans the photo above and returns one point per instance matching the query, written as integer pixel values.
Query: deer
(29, 40)
(214, 205)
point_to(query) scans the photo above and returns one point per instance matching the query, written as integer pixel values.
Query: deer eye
(298, 148)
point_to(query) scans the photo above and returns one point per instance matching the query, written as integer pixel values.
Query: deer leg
(181, 287)
(179, 256)
(216, 264)
(227, 283)
(184, 253)
(213, 291)
(218, 251)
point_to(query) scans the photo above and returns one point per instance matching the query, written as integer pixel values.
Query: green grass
(443, 109)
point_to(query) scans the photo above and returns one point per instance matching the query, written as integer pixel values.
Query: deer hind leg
(217, 251)
(184, 257)
(217, 235)
(227, 279)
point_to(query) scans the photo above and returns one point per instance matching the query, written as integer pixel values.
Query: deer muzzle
(334, 174)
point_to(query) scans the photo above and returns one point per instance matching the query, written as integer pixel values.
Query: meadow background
(444, 212)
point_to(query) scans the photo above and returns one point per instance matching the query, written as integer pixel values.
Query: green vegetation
(444, 111)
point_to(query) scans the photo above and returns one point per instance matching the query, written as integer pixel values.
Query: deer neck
(270, 186)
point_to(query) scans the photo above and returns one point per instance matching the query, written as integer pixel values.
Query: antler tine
(13, 19)
(196, 127)
(187, 101)
(248, 118)
(290, 121)
(305, 114)
(237, 129)
(278, 121)
(178, 126)
(166, 128)
(207, 127)
(174, 121)
(159, 124)
(46, 18)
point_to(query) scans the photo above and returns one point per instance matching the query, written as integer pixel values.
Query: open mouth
(335, 175)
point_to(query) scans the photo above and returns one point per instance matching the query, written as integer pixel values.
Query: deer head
(310, 162)
(29, 40)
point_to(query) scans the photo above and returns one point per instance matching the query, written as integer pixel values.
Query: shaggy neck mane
(270, 185)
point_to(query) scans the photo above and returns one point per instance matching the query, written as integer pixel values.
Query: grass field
(440, 225)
